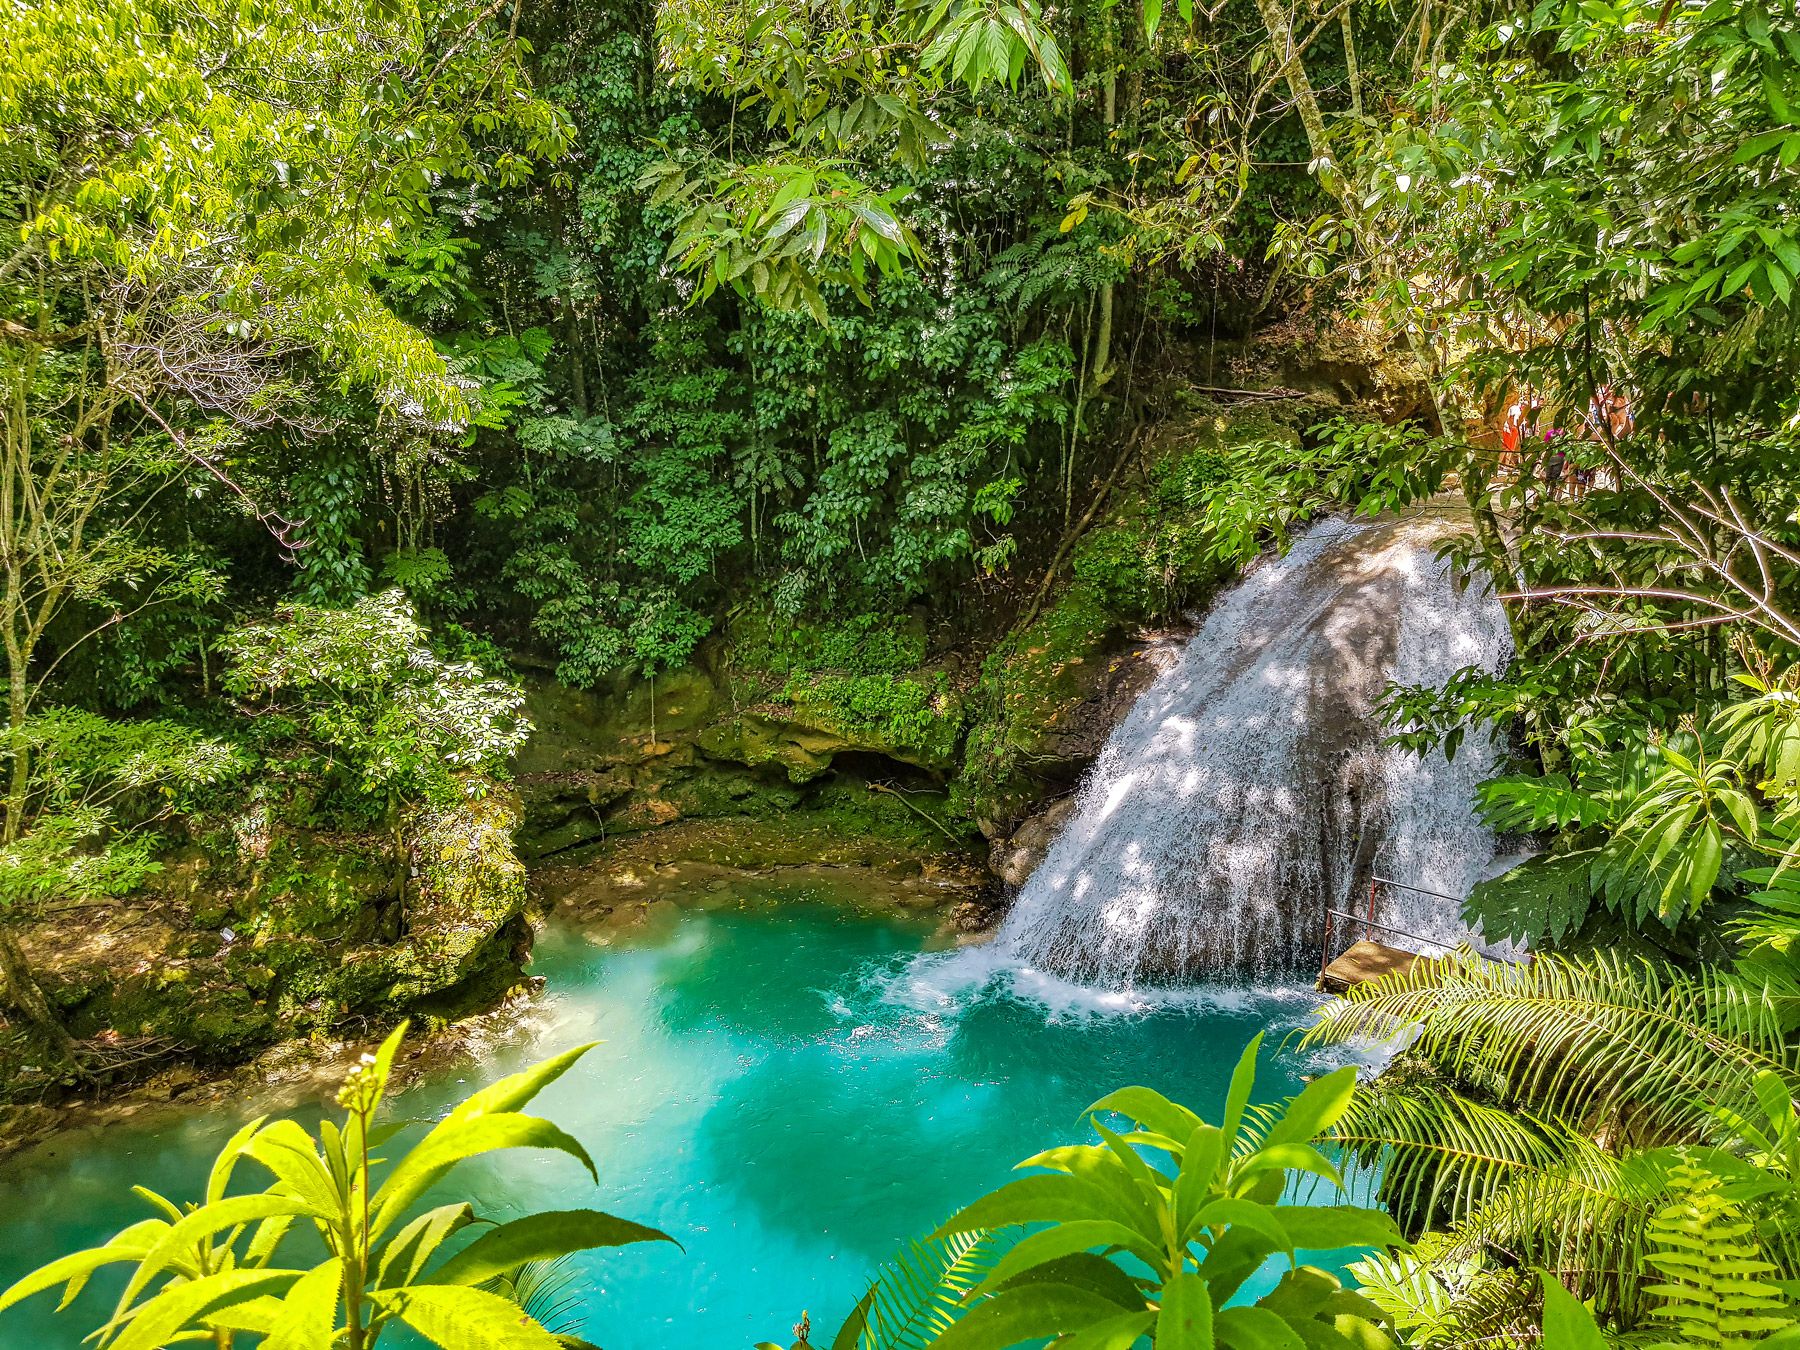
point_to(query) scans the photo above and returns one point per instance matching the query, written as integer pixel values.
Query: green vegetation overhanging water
(786, 1085)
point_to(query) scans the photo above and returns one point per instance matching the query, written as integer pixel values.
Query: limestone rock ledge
(299, 933)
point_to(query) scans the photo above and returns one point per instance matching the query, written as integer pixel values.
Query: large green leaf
(405, 1254)
(540, 1237)
(202, 1224)
(1038, 1199)
(129, 1244)
(1059, 1240)
(158, 1320)
(516, 1090)
(1032, 1313)
(1317, 1108)
(458, 1139)
(1328, 1227)
(1185, 1320)
(308, 1317)
(1233, 1259)
(1237, 1095)
(454, 1317)
(1256, 1329)
(290, 1153)
(1152, 1110)
(1114, 1333)
(1231, 1211)
(1085, 1270)
(226, 1162)
(1113, 1183)
(1542, 900)
(1567, 1325)
(1206, 1148)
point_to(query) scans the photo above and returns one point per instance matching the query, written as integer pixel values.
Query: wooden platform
(1362, 962)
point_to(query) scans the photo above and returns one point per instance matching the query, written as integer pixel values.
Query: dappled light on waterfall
(1249, 787)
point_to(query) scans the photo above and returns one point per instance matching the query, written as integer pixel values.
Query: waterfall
(1249, 785)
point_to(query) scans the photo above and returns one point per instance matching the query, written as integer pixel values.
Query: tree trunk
(1306, 102)
(25, 994)
(18, 705)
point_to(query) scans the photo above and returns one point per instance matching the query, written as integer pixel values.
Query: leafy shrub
(905, 713)
(1115, 563)
(1149, 1234)
(96, 788)
(209, 1271)
(372, 705)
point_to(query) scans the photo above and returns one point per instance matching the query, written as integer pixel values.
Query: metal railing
(1369, 924)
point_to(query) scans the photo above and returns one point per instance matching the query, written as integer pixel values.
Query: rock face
(231, 950)
(1016, 858)
(627, 758)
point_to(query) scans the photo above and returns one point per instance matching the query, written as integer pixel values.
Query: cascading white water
(1249, 786)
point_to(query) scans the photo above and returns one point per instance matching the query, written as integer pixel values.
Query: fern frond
(1532, 1190)
(1599, 1038)
(919, 1293)
(1440, 1296)
(1717, 1288)
(547, 1290)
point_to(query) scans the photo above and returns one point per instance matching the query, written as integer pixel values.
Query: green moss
(913, 718)
(1030, 686)
(319, 932)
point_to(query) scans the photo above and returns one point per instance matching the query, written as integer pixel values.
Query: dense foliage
(349, 351)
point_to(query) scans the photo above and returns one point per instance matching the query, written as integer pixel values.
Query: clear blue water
(786, 1085)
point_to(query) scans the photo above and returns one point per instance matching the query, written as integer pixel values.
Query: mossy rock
(319, 931)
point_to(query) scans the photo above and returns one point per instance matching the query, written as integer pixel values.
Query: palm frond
(546, 1291)
(1603, 1037)
(918, 1294)
(1507, 1187)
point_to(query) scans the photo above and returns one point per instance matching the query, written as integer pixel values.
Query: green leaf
(308, 1316)
(1297, 1158)
(130, 1244)
(404, 1255)
(1567, 1324)
(1185, 1321)
(457, 1318)
(1328, 1227)
(1065, 1238)
(1151, 1109)
(1237, 1095)
(540, 1237)
(1152, 18)
(1240, 1213)
(226, 1162)
(1038, 1199)
(1708, 854)
(288, 1151)
(516, 1090)
(1113, 1333)
(1206, 1147)
(1317, 1108)
(1540, 901)
(202, 1224)
(1030, 1313)
(459, 1138)
(1257, 1329)
(157, 1321)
